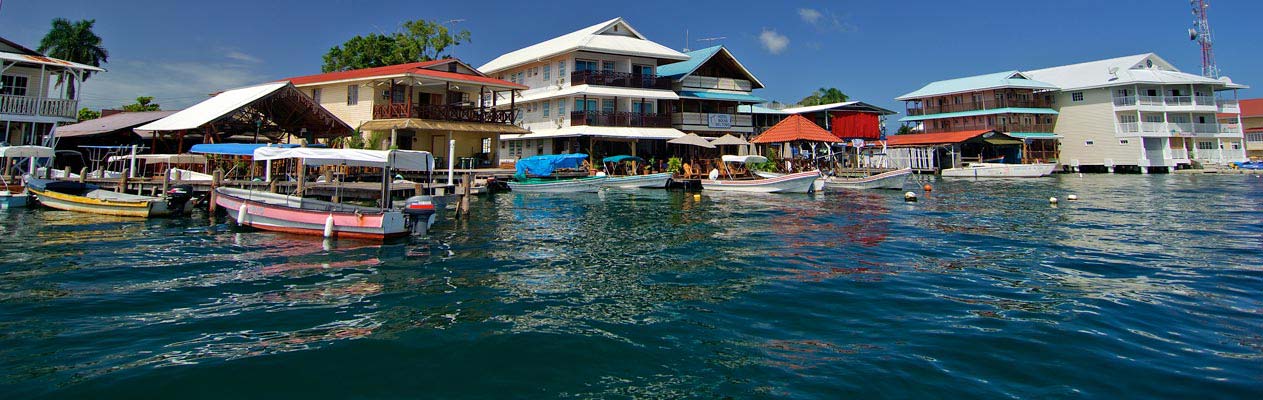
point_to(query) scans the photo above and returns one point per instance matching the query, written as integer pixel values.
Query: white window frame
(1076, 96)
(25, 86)
(352, 95)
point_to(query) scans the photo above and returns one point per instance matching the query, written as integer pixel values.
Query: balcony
(998, 127)
(707, 82)
(443, 113)
(742, 122)
(1184, 129)
(1229, 106)
(1167, 101)
(35, 106)
(976, 105)
(617, 118)
(1179, 154)
(1230, 128)
(619, 79)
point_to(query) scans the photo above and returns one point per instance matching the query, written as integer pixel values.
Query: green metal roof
(1033, 135)
(696, 59)
(1007, 79)
(720, 96)
(974, 113)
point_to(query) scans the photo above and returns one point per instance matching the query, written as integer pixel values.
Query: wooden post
(66, 172)
(215, 179)
(166, 181)
(83, 175)
(302, 178)
(122, 182)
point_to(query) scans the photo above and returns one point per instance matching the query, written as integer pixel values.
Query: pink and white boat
(801, 182)
(295, 214)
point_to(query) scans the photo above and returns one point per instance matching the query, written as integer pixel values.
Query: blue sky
(874, 51)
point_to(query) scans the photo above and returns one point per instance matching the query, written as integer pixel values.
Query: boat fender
(714, 174)
(1052, 200)
(242, 214)
(329, 226)
(909, 196)
(928, 188)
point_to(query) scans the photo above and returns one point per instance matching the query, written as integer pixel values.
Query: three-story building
(36, 93)
(712, 86)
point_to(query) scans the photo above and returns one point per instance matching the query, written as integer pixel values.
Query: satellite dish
(1114, 71)
(1192, 34)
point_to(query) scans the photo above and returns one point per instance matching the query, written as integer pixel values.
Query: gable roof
(1133, 69)
(279, 99)
(919, 139)
(997, 80)
(596, 38)
(111, 123)
(678, 71)
(1251, 108)
(19, 48)
(421, 68)
(795, 127)
(25, 54)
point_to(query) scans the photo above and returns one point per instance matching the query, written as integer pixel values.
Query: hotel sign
(719, 121)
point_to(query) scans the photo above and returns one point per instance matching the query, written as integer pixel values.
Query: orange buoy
(928, 188)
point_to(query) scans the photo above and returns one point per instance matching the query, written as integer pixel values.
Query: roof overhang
(442, 126)
(614, 132)
(47, 61)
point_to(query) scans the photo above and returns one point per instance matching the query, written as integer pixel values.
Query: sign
(857, 142)
(719, 121)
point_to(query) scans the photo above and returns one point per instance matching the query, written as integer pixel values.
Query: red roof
(796, 127)
(914, 139)
(1252, 108)
(416, 68)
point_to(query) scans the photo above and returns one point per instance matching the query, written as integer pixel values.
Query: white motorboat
(997, 170)
(571, 185)
(655, 181)
(801, 182)
(885, 180)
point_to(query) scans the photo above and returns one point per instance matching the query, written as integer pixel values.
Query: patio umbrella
(692, 140)
(729, 140)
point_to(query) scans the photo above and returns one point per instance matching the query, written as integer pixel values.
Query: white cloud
(243, 57)
(173, 84)
(810, 16)
(774, 42)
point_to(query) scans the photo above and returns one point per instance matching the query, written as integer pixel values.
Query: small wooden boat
(993, 170)
(539, 174)
(295, 214)
(801, 182)
(622, 174)
(559, 185)
(88, 198)
(885, 180)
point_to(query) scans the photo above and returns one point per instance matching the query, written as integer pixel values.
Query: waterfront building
(712, 86)
(1008, 102)
(1141, 113)
(420, 106)
(1251, 121)
(595, 90)
(36, 93)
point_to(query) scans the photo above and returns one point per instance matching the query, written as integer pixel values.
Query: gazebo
(795, 129)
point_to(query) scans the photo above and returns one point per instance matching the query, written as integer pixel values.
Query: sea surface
(1147, 286)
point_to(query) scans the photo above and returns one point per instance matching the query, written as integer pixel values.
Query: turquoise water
(1149, 286)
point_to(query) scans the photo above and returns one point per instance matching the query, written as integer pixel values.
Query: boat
(15, 195)
(885, 180)
(304, 216)
(994, 170)
(89, 198)
(801, 182)
(539, 174)
(1250, 165)
(615, 164)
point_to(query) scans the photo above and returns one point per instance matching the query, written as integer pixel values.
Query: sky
(180, 51)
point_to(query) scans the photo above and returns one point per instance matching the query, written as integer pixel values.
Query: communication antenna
(712, 39)
(1200, 33)
(686, 41)
(453, 21)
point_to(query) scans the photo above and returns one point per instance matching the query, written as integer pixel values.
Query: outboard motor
(178, 198)
(419, 214)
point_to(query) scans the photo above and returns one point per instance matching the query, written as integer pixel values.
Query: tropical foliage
(74, 41)
(418, 40)
(904, 129)
(143, 103)
(86, 114)
(824, 96)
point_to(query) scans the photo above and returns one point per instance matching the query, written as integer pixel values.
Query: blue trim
(721, 96)
(237, 149)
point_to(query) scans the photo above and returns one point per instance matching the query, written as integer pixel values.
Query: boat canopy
(236, 149)
(618, 159)
(26, 151)
(545, 165)
(163, 158)
(405, 160)
(744, 159)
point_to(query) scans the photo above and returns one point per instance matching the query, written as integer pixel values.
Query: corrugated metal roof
(974, 113)
(600, 131)
(759, 109)
(795, 127)
(1139, 68)
(705, 95)
(111, 123)
(998, 80)
(15, 57)
(919, 139)
(590, 39)
(678, 71)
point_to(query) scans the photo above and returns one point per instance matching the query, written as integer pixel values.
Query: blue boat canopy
(238, 149)
(545, 165)
(618, 159)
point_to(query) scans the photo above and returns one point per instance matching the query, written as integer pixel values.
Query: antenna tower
(1200, 33)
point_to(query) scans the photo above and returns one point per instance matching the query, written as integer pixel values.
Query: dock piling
(83, 175)
(122, 181)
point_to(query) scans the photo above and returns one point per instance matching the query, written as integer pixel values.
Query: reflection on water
(664, 295)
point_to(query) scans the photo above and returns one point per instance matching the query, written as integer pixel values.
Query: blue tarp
(546, 164)
(237, 149)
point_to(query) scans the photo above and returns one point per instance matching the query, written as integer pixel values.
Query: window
(352, 95)
(548, 72)
(315, 95)
(584, 65)
(607, 66)
(642, 107)
(13, 85)
(561, 108)
(642, 70)
(1076, 96)
(1205, 145)
(580, 105)
(561, 70)
(1127, 118)
(1088, 143)
(1236, 145)
(546, 106)
(1123, 141)
(515, 148)
(521, 77)
(607, 106)
(486, 145)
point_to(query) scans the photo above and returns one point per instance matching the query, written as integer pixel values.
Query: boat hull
(140, 208)
(988, 170)
(657, 181)
(886, 180)
(13, 200)
(281, 213)
(802, 182)
(590, 184)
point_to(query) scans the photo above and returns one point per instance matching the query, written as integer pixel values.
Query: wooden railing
(999, 127)
(927, 109)
(602, 118)
(709, 82)
(619, 79)
(443, 113)
(692, 118)
(25, 105)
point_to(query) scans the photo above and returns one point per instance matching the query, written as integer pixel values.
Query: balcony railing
(1179, 154)
(691, 118)
(1179, 100)
(709, 82)
(998, 127)
(443, 113)
(1177, 128)
(619, 79)
(1169, 101)
(604, 118)
(976, 105)
(1230, 128)
(1204, 100)
(25, 105)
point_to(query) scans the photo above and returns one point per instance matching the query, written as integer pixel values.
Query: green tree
(418, 40)
(824, 96)
(904, 130)
(143, 103)
(74, 41)
(86, 114)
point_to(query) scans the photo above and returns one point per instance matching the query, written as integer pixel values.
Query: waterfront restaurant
(422, 106)
(933, 152)
(29, 106)
(712, 86)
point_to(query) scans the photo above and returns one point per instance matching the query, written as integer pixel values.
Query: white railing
(1150, 100)
(1179, 100)
(911, 157)
(1153, 127)
(1179, 154)
(1206, 154)
(1228, 106)
(1128, 127)
(1206, 128)
(1254, 137)
(26, 105)
(1125, 101)
(1180, 127)
(709, 82)
(688, 118)
(1205, 100)
(1229, 128)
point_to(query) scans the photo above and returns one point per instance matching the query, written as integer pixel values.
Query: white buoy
(1072, 197)
(329, 226)
(910, 196)
(1052, 200)
(241, 214)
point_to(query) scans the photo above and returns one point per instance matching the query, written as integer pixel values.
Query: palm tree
(74, 41)
(831, 95)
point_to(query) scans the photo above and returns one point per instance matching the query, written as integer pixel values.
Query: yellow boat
(88, 198)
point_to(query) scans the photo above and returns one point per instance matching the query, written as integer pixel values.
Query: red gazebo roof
(796, 127)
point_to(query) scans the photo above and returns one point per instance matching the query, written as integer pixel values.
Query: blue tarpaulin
(237, 149)
(546, 164)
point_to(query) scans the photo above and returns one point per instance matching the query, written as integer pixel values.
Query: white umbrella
(693, 140)
(729, 140)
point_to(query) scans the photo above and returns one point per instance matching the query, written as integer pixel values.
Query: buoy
(1072, 197)
(909, 196)
(697, 196)
(241, 214)
(1052, 200)
(928, 188)
(329, 226)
